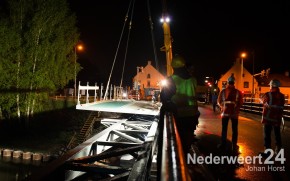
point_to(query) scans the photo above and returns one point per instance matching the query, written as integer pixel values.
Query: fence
(253, 105)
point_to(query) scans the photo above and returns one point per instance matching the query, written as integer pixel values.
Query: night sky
(209, 34)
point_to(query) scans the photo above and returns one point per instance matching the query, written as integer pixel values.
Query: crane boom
(167, 40)
(168, 48)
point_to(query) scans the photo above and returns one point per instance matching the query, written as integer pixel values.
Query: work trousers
(186, 127)
(225, 122)
(267, 135)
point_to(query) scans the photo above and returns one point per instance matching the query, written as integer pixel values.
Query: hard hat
(178, 61)
(275, 83)
(231, 79)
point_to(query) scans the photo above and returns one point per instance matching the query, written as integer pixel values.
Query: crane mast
(167, 39)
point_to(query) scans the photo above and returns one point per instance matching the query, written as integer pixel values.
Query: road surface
(250, 140)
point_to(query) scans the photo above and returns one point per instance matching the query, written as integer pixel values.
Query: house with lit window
(245, 81)
(147, 80)
(263, 84)
(254, 85)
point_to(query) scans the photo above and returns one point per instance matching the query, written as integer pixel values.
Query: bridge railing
(254, 105)
(171, 162)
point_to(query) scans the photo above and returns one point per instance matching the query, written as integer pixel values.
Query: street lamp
(243, 55)
(253, 78)
(80, 48)
(209, 81)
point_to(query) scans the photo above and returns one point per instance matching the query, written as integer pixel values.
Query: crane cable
(152, 35)
(126, 17)
(125, 57)
(126, 50)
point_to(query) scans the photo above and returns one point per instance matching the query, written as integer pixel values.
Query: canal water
(12, 169)
(17, 169)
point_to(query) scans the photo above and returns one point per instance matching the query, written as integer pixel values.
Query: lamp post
(253, 89)
(77, 47)
(243, 55)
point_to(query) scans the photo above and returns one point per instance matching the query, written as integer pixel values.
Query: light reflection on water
(12, 169)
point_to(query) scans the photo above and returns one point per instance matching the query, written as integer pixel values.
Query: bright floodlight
(166, 19)
(163, 82)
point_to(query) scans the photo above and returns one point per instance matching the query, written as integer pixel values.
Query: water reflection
(14, 169)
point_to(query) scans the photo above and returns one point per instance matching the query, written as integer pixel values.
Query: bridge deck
(122, 106)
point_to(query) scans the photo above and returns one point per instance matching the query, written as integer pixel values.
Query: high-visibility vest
(230, 102)
(273, 106)
(185, 96)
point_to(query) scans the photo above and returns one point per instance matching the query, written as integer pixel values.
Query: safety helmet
(178, 61)
(231, 79)
(275, 83)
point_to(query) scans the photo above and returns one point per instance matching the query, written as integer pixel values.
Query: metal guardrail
(173, 165)
(78, 161)
(88, 158)
(254, 106)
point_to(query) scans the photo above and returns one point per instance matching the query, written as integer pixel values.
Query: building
(254, 85)
(147, 81)
(245, 81)
(263, 84)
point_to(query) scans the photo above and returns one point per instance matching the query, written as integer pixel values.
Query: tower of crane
(167, 39)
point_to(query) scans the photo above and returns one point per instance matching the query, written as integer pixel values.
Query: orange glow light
(243, 55)
(80, 47)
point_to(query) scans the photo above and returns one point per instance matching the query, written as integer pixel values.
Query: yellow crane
(167, 39)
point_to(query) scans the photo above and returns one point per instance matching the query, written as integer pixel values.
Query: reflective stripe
(229, 102)
(230, 106)
(270, 105)
(223, 114)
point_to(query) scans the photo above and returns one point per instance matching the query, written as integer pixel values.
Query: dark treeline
(37, 39)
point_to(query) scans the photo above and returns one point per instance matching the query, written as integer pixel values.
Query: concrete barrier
(7, 153)
(36, 156)
(17, 154)
(27, 156)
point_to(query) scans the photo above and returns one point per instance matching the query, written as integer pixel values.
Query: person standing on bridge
(214, 100)
(179, 97)
(273, 106)
(230, 100)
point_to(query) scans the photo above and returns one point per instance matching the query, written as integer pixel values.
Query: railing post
(95, 96)
(78, 103)
(87, 98)
(173, 165)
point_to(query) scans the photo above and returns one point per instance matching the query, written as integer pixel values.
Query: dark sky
(209, 34)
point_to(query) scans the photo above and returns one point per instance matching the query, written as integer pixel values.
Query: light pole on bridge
(243, 55)
(76, 48)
